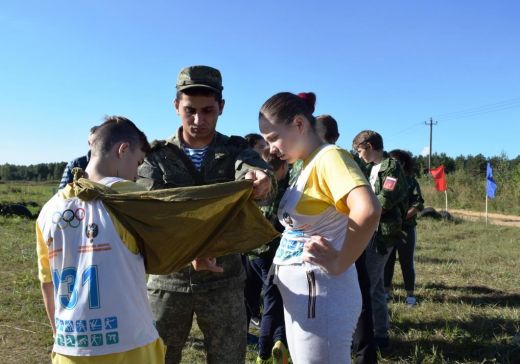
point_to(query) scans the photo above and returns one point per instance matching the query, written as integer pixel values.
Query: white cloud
(425, 151)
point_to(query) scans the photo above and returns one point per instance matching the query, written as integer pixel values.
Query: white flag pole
(486, 209)
(446, 197)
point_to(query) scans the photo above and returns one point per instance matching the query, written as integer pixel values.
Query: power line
(480, 110)
(403, 131)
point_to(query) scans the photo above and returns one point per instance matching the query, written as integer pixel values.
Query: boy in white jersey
(93, 281)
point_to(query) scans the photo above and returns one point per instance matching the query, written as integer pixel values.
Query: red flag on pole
(439, 177)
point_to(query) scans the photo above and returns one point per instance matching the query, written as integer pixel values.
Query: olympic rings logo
(68, 218)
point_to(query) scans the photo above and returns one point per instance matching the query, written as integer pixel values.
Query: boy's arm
(44, 275)
(394, 187)
(48, 301)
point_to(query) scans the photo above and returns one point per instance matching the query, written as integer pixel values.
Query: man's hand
(261, 183)
(209, 264)
(411, 213)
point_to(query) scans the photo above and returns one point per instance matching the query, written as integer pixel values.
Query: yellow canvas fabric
(172, 227)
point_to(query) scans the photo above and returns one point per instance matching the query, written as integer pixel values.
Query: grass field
(467, 288)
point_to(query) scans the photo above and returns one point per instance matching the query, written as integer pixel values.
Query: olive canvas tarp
(172, 227)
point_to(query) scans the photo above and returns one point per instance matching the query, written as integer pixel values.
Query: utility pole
(431, 124)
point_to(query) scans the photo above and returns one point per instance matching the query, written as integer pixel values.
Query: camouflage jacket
(391, 190)
(415, 199)
(166, 166)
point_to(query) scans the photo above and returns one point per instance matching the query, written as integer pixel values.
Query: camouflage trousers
(221, 316)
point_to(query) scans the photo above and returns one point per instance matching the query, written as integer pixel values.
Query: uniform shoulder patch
(389, 183)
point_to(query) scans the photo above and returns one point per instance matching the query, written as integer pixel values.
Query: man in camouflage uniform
(388, 181)
(199, 155)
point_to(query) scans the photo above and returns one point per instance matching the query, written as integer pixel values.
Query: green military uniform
(216, 298)
(406, 249)
(415, 199)
(393, 197)
(391, 190)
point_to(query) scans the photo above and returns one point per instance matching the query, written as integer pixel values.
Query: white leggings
(321, 312)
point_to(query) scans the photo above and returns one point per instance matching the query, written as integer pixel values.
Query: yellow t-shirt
(333, 176)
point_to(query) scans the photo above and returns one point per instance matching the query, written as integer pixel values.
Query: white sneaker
(255, 321)
(410, 301)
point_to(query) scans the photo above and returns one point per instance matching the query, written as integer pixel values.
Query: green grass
(469, 302)
(20, 192)
(467, 288)
(469, 192)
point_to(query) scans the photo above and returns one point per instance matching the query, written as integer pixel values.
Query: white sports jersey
(330, 224)
(101, 306)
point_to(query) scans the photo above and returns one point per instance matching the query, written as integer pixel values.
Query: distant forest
(34, 172)
(473, 165)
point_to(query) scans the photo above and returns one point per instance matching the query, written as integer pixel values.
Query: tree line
(34, 172)
(473, 165)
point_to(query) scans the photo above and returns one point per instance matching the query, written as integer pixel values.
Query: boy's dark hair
(327, 128)
(116, 129)
(252, 139)
(405, 159)
(368, 136)
(199, 91)
(284, 106)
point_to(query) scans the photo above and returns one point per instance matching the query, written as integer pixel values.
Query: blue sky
(382, 65)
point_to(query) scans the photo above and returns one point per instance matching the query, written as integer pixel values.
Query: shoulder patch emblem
(389, 183)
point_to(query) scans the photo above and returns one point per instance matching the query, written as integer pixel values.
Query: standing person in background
(80, 162)
(198, 155)
(329, 214)
(406, 249)
(363, 341)
(272, 343)
(388, 181)
(253, 283)
(256, 142)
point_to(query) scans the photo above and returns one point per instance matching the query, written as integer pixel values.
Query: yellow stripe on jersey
(42, 250)
(332, 178)
(152, 353)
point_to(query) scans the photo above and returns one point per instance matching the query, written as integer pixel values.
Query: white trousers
(321, 312)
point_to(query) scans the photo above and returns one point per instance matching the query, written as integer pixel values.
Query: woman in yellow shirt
(329, 213)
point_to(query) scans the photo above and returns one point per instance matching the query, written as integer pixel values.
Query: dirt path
(496, 219)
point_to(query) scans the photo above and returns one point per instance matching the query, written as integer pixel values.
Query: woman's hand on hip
(319, 251)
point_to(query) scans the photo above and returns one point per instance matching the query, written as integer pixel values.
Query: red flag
(439, 177)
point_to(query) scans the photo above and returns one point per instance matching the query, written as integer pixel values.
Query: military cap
(200, 76)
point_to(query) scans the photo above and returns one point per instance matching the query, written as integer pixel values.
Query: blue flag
(491, 186)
